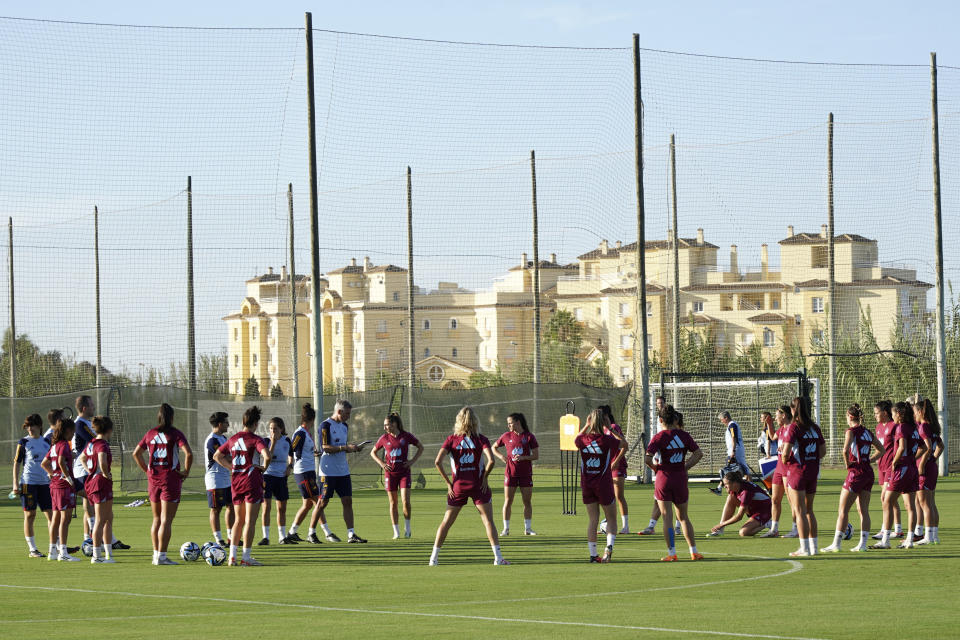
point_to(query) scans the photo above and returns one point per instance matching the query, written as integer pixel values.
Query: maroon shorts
(601, 492)
(779, 475)
(858, 480)
(884, 475)
(517, 481)
(762, 517)
(904, 479)
(803, 478)
(463, 492)
(165, 486)
(63, 499)
(928, 477)
(671, 487)
(395, 481)
(247, 488)
(620, 471)
(99, 492)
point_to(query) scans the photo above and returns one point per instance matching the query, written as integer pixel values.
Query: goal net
(701, 397)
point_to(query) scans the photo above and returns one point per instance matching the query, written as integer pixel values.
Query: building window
(775, 303)
(336, 328)
(698, 307)
(236, 334)
(625, 373)
(509, 324)
(254, 334)
(454, 353)
(578, 314)
(769, 338)
(818, 337)
(426, 352)
(599, 311)
(336, 356)
(435, 373)
(426, 325)
(254, 359)
(382, 326)
(236, 387)
(453, 323)
(236, 361)
(818, 305)
(626, 341)
(818, 257)
(396, 296)
(356, 325)
(624, 309)
(649, 342)
(649, 309)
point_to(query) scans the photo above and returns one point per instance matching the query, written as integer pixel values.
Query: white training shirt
(334, 433)
(302, 446)
(734, 441)
(278, 463)
(214, 476)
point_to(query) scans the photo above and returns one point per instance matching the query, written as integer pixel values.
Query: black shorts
(218, 498)
(275, 488)
(307, 481)
(339, 484)
(35, 496)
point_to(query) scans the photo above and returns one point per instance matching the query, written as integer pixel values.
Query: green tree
(276, 391)
(252, 388)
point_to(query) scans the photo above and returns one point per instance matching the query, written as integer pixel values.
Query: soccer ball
(215, 556)
(189, 551)
(87, 547)
(848, 532)
(207, 545)
(603, 526)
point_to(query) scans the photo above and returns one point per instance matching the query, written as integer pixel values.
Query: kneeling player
(754, 503)
(599, 453)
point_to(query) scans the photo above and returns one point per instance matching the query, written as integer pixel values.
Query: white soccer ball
(215, 556)
(189, 551)
(207, 545)
(87, 547)
(603, 526)
(848, 532)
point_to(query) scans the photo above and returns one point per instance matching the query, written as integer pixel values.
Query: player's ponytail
(903, 413)
(62, 430)
(164, 418)
(668, 415)
(596, 421)
(466, 423)
(608, 413)
(307, 414)
(520, 419)
(855, 412)
(103, 425)
(679, 419)
(32, 420)
(394, 419)
(930, 417)
(251, 417)
(54, 416)
(801, 412)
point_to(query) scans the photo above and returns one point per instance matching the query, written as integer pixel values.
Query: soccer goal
(700, 397)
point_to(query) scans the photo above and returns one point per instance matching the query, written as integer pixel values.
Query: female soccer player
(884, 435)
(163, 444)
(600, 452)
(246, 482)
(929, 428)
(98, 485)
(784, 417)
(469, 481)
(667, 456)
(859, 483)
(754, 503)
(275, 480)
(619, 472)
(216, 479)
(655, 511)
(902, 478)
(396, 463)
(801, 448)
(522, 449)
(304, 454)
(58, 463)
(29, 479)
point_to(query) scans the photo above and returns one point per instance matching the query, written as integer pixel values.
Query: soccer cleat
(649, 531)
(233, 563)
(791, 534)
(505, 532)
(53, 556)
(696, 556)
(433, 563)
(73, 549)
(859, 548)
(715, 490)
(773, 533)
(624, 531)
(408, 534)
(607, 556)
(102, 561)
(119, 545)
(880, 545)
(252, 562)
(35, 553)
(223, 543)
(396, 536)
(354, 538)
(896, 535)
(263, 542)
(68, 558)
(877, 536)
(830, 549)
(313, 539)
(287, 540)
(165, 562)
(332, 537)
(501, 562)
(923, 541)
(715, 534)
(529, 532)
(295, 537)
(672, 558)
(800, 553)
(595, 559)
(905, 545)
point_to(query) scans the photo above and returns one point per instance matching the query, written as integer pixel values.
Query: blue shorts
(275, 488)
(339, 484)
(307, 481)
(35, 496)
(218, 498)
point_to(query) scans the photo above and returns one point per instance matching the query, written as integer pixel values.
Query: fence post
(13, 323)
(191, 322)
(96, 270)
(294, 356)
(942, 410)
(411, 337)
(641, 362)
(536, 291)
(675, 238)
(317, 347)
(831, 300)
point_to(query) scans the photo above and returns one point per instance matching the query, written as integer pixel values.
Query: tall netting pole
(96, 275)
(317, 347)
(411, 335)
(13, 323)
(536, 288)
(831, 298)
(674, 240)
(294, 356)
(191, 322)
(942, 410)
(641, 362)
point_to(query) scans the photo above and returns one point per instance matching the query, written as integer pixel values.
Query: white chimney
(764, 261)
(699, 236)
(604, 247)
(553, 258)
(270, 271)
(283, 272)
(523, 260)
(353, 262)
(823, 231)
(733, 259)
(789, 230)
(366, 263)
(619, 244)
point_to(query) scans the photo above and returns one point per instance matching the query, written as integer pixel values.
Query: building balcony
(624, 322)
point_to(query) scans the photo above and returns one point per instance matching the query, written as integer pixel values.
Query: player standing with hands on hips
(396, 463)
(335, 471)
(599, 453)
(521, 450)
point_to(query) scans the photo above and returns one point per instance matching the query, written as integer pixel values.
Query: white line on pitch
(414, 614)
(103, 618)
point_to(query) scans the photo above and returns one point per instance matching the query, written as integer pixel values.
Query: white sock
(593, 548)
(91, 522)
(233, 552)
(396, 530)
(312, 531)
(803, 545)
(506, 525)
(326, 529)
(814, 543)
(294, 528)
(283, 532)
(936, 532)
(885, 536)
(775, 527)
(162, 555)
(527, 526)
(114, 540)
(611, 538)
(156, 556)
(917, 531)
(53, 548)
(671, 550)
(31, 542)
(246, 553)
(496, 552)
(406, 524)
(793, 529)
(62, 548)
(350, 532)
(897, 529)
(217, 535)
(107, 549)
(864, 536)
(96, 551)
(720, 530)
(434, 554)
(266, 531)
(625, 521)
(651, 524)
(837, 537)
(693, 549)
(909, 537)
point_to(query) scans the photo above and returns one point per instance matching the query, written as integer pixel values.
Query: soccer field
(744, 588)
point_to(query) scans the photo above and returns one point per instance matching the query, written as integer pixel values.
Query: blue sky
(118, 117)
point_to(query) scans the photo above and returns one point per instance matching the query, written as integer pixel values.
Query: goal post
(700, 397)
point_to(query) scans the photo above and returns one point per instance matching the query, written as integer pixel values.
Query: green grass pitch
(744, 588)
